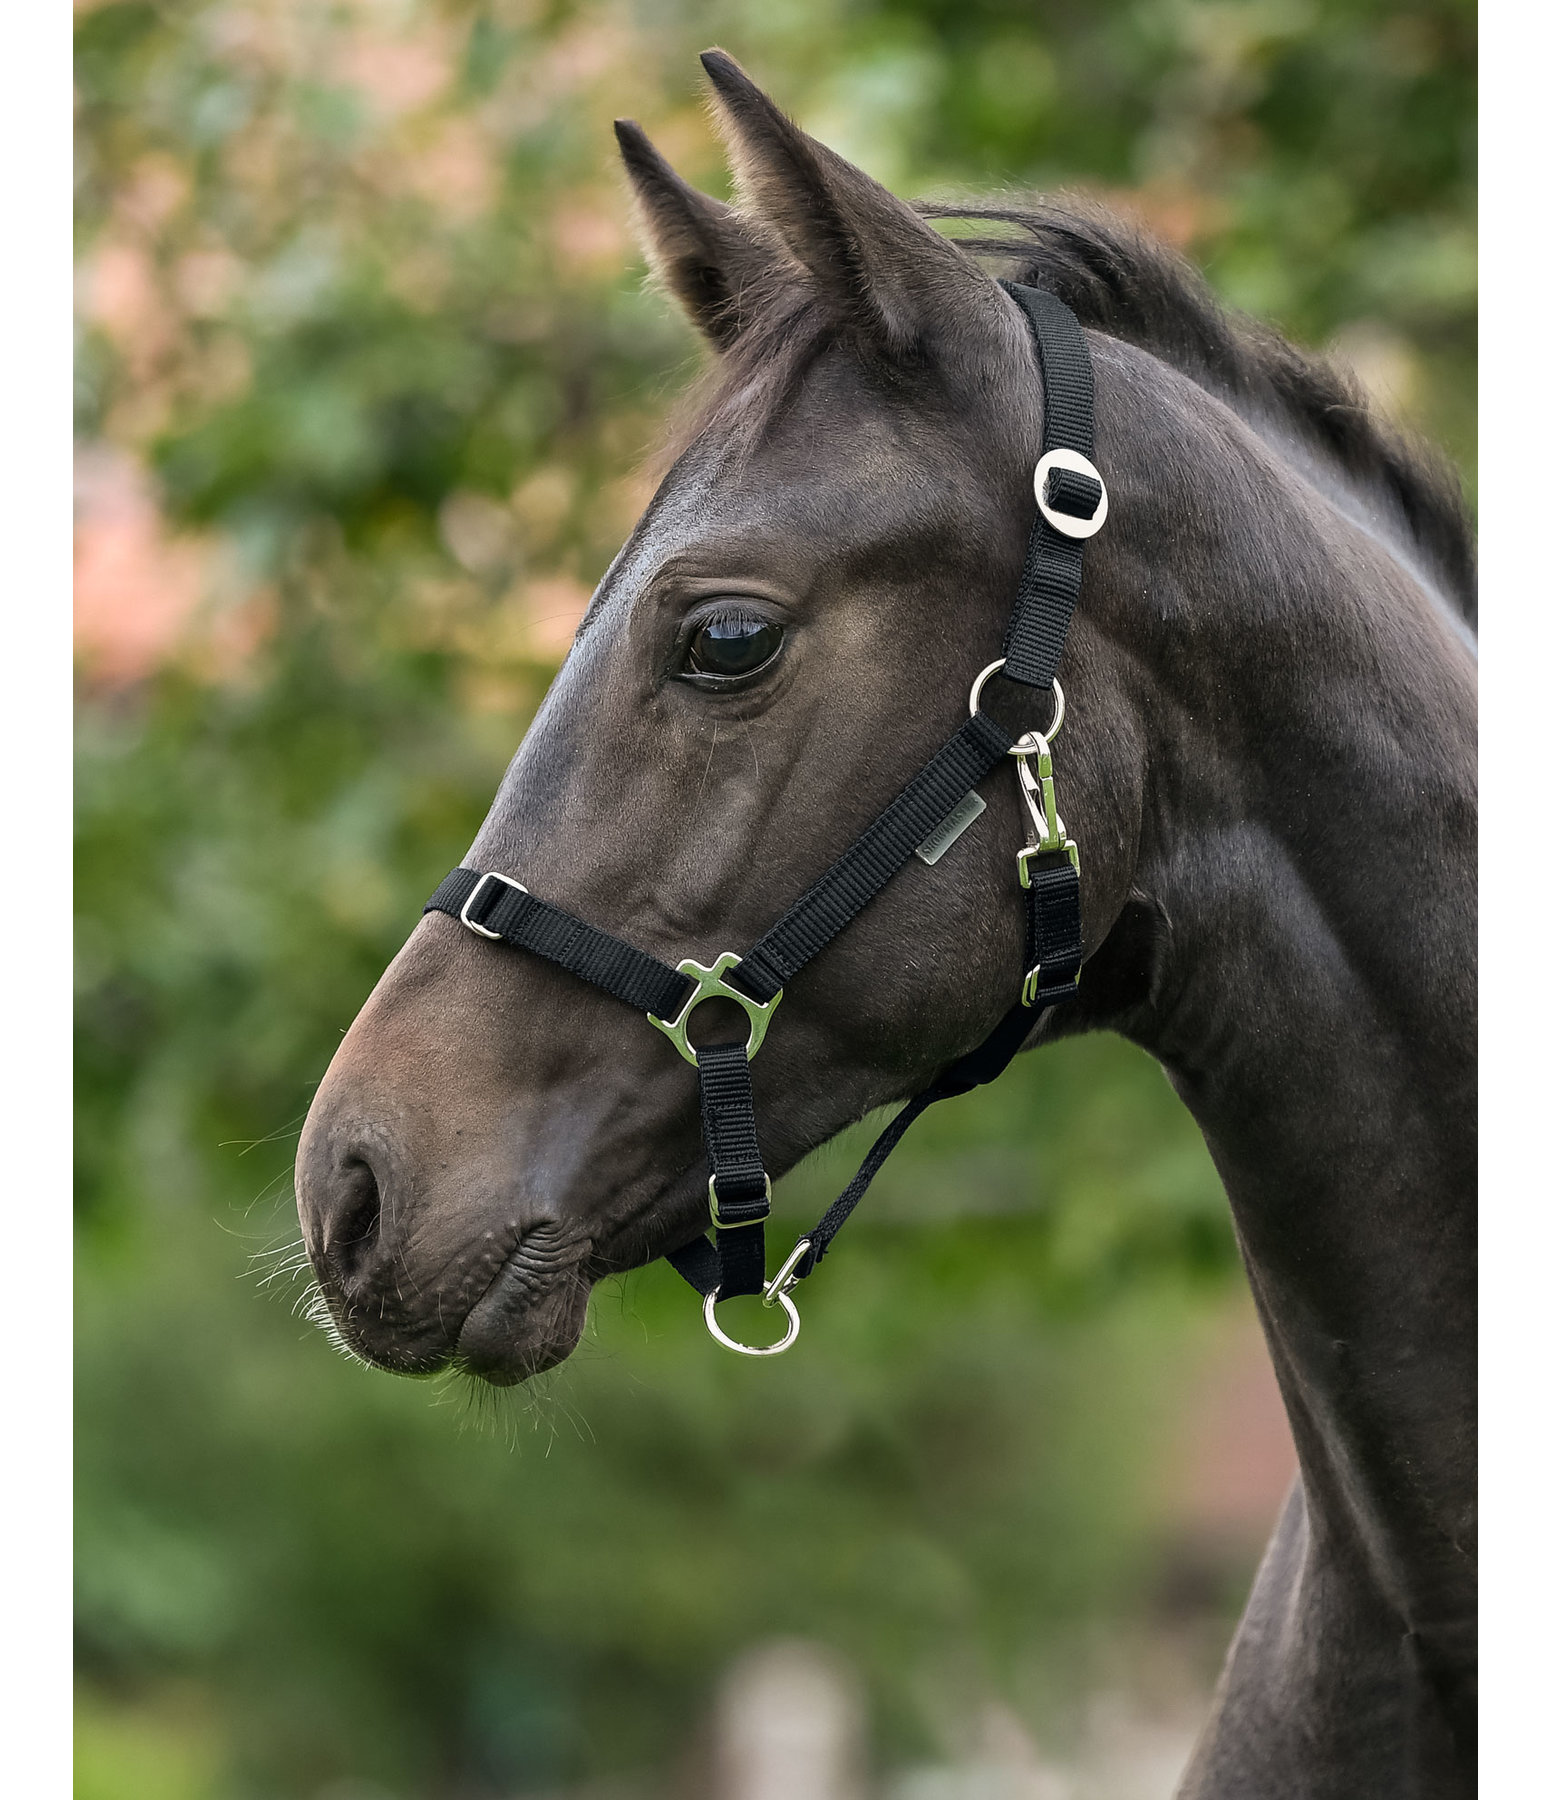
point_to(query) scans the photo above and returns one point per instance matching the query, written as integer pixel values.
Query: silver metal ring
(489, 875)
(1022, 747)
(979, 682)
(1067, 524)
(784, 1300)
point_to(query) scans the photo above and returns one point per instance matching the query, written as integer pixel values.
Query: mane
(1119, 280)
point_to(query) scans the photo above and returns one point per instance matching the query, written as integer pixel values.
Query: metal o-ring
(783, 1300)
(1055, 723)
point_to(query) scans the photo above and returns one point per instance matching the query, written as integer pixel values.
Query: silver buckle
(489, 875)
(709, 985)
(735, 1224)
(1067, 524)
(1031, 983)
(1024, 857)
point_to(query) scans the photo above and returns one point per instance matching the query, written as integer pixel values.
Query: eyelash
(730, 616)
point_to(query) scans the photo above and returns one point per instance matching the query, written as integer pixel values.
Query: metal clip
(786, 1276)
(776, 1293)
(1038, 785)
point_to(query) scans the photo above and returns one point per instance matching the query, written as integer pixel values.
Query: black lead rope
(1072, 505)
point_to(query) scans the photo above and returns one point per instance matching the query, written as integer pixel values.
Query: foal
(1269, 764)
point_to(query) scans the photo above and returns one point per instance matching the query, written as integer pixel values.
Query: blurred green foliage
(367, 383)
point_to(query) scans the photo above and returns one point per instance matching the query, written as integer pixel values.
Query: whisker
(283, 1178)
(292, 1128)
(714, 732)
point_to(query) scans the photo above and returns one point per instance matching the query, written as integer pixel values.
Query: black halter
(924, 819)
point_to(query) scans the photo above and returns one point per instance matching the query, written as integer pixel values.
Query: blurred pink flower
(205, 280)
(136, 587)
(456, 171)
(399, 75)
(156, 187)
(121, 294)
(586, 49)
(587, 239)
(1235, 1460)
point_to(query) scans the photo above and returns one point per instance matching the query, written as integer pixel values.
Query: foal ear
(714, 261)
(873, 258)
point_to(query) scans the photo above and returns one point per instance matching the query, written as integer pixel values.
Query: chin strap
(1072, 504)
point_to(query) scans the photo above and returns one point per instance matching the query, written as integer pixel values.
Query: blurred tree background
(368, 379)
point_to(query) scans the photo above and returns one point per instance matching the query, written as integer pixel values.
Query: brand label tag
(951, 829)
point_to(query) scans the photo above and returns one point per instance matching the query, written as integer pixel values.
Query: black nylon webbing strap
(1067, 366)
(523, 920)
(734, 1264)
(699, 1264)
(862, 872)
(1051, 575)
(824, 1232)
(740, 1189)
(1054, 925)
(1070, 491)
(731, 1143)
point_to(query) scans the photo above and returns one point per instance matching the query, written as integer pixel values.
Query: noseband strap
(496, 907)
(1071, 504)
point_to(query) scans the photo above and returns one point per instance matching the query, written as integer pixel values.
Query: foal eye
(733, 643)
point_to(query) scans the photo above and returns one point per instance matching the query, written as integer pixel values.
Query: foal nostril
(350, 1213)
(355, 1219)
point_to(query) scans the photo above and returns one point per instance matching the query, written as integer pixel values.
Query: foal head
(790, 631)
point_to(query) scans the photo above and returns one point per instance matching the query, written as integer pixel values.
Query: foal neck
(1306, 865)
